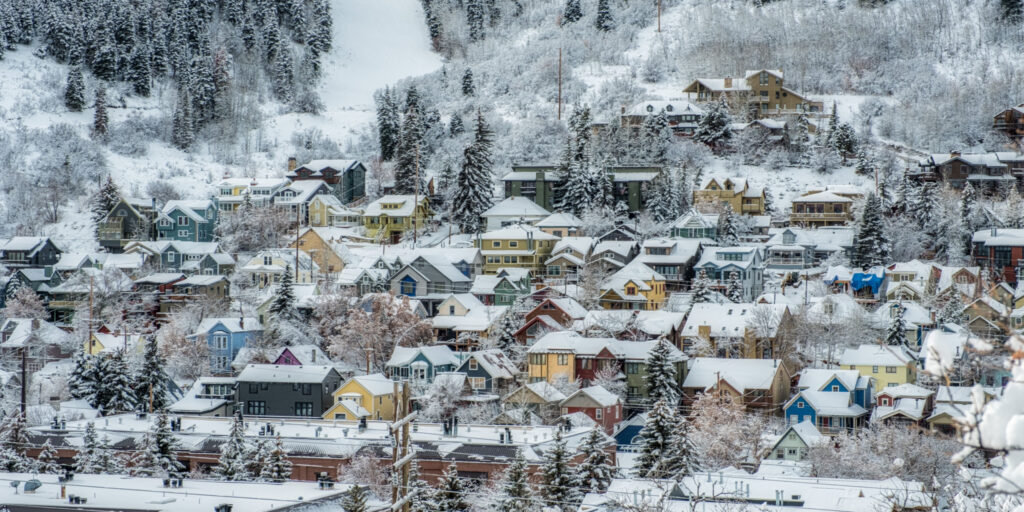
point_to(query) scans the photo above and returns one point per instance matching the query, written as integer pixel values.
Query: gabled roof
(828, 403)
(376, 384)
(559, 220)
(24, 330)
(305, 191)
(815, 379)
(517, 232)
(306, 354)
(407, 203)
(438, 355)
(742, 374)
(822, 197)
(29, 244)
(906, 391)
(807, 433)
(516, 207)
(875, 355)
(318, 166)
(598, 394)
(233, 324)
(283, 373)
(494, 362)
(190, 207)
(546, 391)
(729, 319)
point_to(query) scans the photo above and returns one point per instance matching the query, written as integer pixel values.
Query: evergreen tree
(971, 210)
(355, 499)
(596, 471)
(104, 58)
(473, 193)
(683, 459)
(106, 199)
(284, 301)
(833, 127)
(87, 457)
(455, 126)
(664, 201)
(728, 230)
(182, 134)
(421, 495)
(713, 129)
(13, 444)
(1013, 11)
(896, 335)
(114, 392)
(467, 83)
(475, 19)
(277, 467)
(573, 12)
(151, 381)
(284, 73)
(844, 140)
(165, 447)
(510, 323)
(870, 247)
(656, 138)
(74, 91)
(661, 374)
(798, 138)
(82, 382)
(560, 481)
(656, 440)
(321, 34)
(234, 452)
(734, 288)
(257, 458)
(516, 495)
(450, 494)
(701, 289)
(864, 165)
(409, 153)
(1014, 209)
(46, 461)
(604, 21)
(100, 119)
(106, 462)
(952, 312)
(388, 124)
(140, 72)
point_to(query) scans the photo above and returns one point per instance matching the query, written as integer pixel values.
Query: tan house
(756, 383)
(821, 209)
(735, 192)
(1010, 122)
(324, 246)
(763, 91)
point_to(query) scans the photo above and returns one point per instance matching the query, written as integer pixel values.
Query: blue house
(421, 364)
(187, 221)
(225, 337)
(488, 371)
(833, 401)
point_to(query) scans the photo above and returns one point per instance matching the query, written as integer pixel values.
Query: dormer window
(668, 108)
(650, 108)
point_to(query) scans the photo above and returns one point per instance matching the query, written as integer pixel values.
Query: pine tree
(284, 73)
(573, 12)
(864, 165)
(277, 467)
(596, 471)
(409, 153)
(104, 58)
(106, 462)
(232, 464)
(114, 392)
(896, 335)
(734, 288)
(683, 459)
(661, 374)
(656, 138)
(475, 19)
(74, 91)
(1014, 209)
(467, 83)
(388, 124)
(713, 129)
(257, 457)
(46, 461)
(450, 494)
(100, 119)
(151, 381)
(952, 312)
(105, 199)
(140, 71)
(473, 193)
(81, 382)
(455, 126)
(421, 494)
(833, 127)
(516, 495)
(870, 248)
(182, 134)
(165, 447)
(798, 138)
(13, 444)
(560, 481)
(664, 203)
(322, 33)
(87, 457)
(701, 289)
(728, 230)
(1013, 11)
(604, 21)
(284, 301)
(355, 499)
(844, 140)
(971, 210)
(655, 439)
(510, 323)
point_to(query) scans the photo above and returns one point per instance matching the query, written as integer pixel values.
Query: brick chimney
(292, 164)
(728, 82)
(954, 152)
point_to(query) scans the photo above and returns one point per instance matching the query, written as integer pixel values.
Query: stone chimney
(623, 107)
(728, 82)
(292, 164)
(954, 153)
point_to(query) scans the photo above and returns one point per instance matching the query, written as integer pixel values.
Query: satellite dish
(15, 484)
(32, 485)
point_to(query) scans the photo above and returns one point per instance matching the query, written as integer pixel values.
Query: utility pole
(24, 378)
(401, 455)
(659, 16)
(297, 244)
(559, 83)
(416, 195)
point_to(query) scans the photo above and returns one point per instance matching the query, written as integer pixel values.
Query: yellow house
(890, 366)
(369, 396)
(105, 341)
(735, 192)
(388, 217)
(635, 286)
(517, 246)
(323, 245)
(327, 211)
(462, 320)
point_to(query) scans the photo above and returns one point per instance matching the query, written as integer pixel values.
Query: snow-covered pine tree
(1012, 11)
(165, 446)
(845, 140)
(734, 288)
(321, 33)
(354, 499)
(604, 21)
(115, 385)
(896, 335)
(100, 121)
(475, 19)
(233, 461)
(284, 297)
(140, 72)
(560, 482)
(728, 229)
(450, 495)
(105, 199)
(421, 494)
(104, 57)
(656, 138)
(798, 138)
(151, 380)
(106, 461)
(971, 211)
(74, 91)
(46, 461)
(510, 323)
(1014, 213)
(683, 459)
(259, 452)
(713, 129)
(655, 440)
(409, 151)
(572, 13)
(864, 166)
(87, 457)
(455, 126)
(701, 289)
(389, 124)
(870, 248)
(277, 467)
(596, 471)
(952, 312)
(473, 193)
(664, 203)
(182, 134)
(515, 494)
(13, 443)
(284, 73)
(468, 89)
(661, 375)
(833, 128)
(144, 461)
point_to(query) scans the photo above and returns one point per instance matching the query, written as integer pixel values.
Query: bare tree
(375, 329)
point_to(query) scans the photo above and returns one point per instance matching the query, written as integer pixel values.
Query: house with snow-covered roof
(673, 258)
(462, 320)
(682, 116)
(796, 441)
(286, 390)
(327, 211)
(551, 314)
(911, 280)
(39, 341)
(560, 224)
(488, 371)
(294, 199)
(29, 251)
(763, 90)
(513, 210)
(187, 220)
(538, 183)
(719, 264)
(347, 178)
(421, 364)
(1001, 250)
(633, 325)
(635, 286)
(795, 248)
(569, 254)
(537, 397)
(130, 219)
(503, 288)
(734, 330)
(761, 384)
(363, 396)
(888, 365)
(388, 218)
(430, 279)
(820, 209)
(267, 266)
(597, 403)
(225, 337)
(918, 320)
(980, 169)
(518, 245)
(834, 401)
(232, 192)
(906, 404)
(735, 193)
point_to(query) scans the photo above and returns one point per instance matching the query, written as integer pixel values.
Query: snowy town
(511, 255)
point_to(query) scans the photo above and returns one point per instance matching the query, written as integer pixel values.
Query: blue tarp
(860, 280)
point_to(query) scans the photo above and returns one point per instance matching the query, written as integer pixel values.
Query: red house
(601, 405)
(551, 314)
(1001, 251)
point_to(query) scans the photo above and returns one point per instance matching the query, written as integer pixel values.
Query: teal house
(421, 364)
(187, 221)
(540, 184)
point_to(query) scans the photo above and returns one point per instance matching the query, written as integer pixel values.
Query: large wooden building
(763, 91)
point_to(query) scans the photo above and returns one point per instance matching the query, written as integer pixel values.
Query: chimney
(623, 107)
(292, 164)
(954, 152)
(728, 82)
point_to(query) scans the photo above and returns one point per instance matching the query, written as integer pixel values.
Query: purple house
(302, 355)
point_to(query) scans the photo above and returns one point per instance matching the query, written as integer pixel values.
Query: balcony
(819, 217)
(63, 304)
(752, 208)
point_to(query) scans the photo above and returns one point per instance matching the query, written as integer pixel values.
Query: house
(599, 404)
(1001, 251)
(462, 320)
(568, 256)
(225, 337)
(293, 200)
(389, 217)
(299, 355)
(268, 265)
(200, 287)
(108, 340)
(988, 317)
(286, 390)
(762, 90)
(421, 364)
(29, 251)
(208, 396)
(178, 256)
(560, 224)
(488, 371)
(695, 224)
(959, 283)
(730, 330)
(635, 286)
(761, 384)
(800, 248)
(36, 342)
(796, 441)
(736, 193)
(430, 279)
(326, 246)
(540, 184)
(985, 171)
(952, 403)
(673, 258)
(347, 178)
(821, 209)
(889, 366)
(834, 401)
(551, 314)
(720, 263)
(911, 280)
(40, 280)
(503, 288)
(515, 246)
(328, 212)
(906, 404)
(371, 396)
(633, 325)
(919, 321)
(232, 192)
(1010, 122)
(187, 220)
(513, 210)
(539, 397)
(130, 219)
(682, 116)
(860, 388)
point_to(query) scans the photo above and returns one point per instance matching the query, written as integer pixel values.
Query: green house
(502, 288)
(540, 183)
(187, 221)
(796, 441)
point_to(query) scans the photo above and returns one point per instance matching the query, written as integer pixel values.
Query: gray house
(286, 390)
(430, 279)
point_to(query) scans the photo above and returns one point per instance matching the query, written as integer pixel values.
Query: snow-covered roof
(194, 402)
(999, 237)
(620, 247)
(637, 273)
(19, 331)
(337, 164)
(406, 202)
(654, 323)
(376, 384)
(233, 324)
(815, 379)
(192, 209)
(494, 362)
(906, 391)
(914, 314)
(875, 355)
(546, 391)
(822, 197)
(944, 347)
(598, 394)
(730, 319)
(910, 407)
(306, 354)
(516, 207)
(517, 232)
(438, 355)
(713, 256)
(559, 220)
(572, 342)
(579, 244)
(304, 191)
(283, 373)
(24, 244)
(807, 432)
(742, 374)
(828, 403)
(570, 306)
(830, 239)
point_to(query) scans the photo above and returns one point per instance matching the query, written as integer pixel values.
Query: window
(763, 79)
(828, 307)
(264, 386)
(182, 220)
(554, 270)
(164, 223)
(632, 368)
(170, 257)
(890, 369)
(835, 389)
(307, 389)
(473, 364)
(513, 243)
(182, 233)
(495, 244)
(885, 401)
(536, 358)
(220, 362)
(340, 416)
(563, 359)
(254, 388)
(874, 369)
(268, 260)
(256, 407)
(303, 408)
(477, 382)
(597, 414)
(451, 310)
(790, 451)
(799, 405)
(408, 287)
(220, 341)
